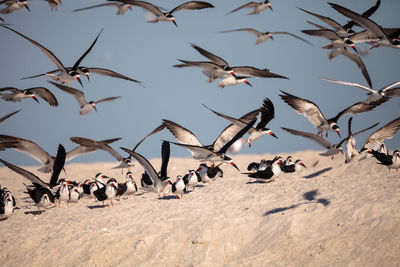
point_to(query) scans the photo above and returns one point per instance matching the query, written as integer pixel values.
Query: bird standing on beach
(178, 187)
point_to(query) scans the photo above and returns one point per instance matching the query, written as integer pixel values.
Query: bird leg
(103, 205)
(112, 204)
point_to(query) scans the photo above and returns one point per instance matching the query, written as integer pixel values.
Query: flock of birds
(230, 139)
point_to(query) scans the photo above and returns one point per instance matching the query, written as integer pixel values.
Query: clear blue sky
(146, 52)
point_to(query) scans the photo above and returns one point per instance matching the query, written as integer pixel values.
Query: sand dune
(329, 214)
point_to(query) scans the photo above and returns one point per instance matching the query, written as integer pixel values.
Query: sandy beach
(332, 214)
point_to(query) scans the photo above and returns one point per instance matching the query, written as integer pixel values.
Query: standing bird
(191, 179)
(16, 95)
(154, 14)
(178, 187)
(158, 181)
(257, 7)
(84, 105)
(312, 112)
(127, 188)
(7, 203)
(122, 7)
(264, 36)
(107, 192)
(13, 5)
(267, 112)
(390, 161)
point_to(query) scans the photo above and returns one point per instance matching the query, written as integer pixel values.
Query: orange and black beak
(79, 80)
(234, 165)
(272, 134)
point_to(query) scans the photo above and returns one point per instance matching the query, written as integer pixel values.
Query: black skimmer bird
(257, 7)
(84, 105)
(107, 192)
(159, 181)
(127, 188)
(339, 46)
(191, 179)
(54, 4)
(41, 194)
(385, 93)
(264, 36)
(373, 27)
(219, 68)
(312, 112)
(333, 149)
(62, 74)
(13, 5)
(62, 194)
(154, 14)
(259, 166)
(390, 161)
(294, 167)
(74, 194)
(346, 29)
(7, 203)
(32, 149)
(9, 115)
(212, 153)
(202, 171)
(16, 95)
(122, 7)
(185, 136)
(90, 143)
(56, 169)
(268, 173)
(82, 70)
(376, 140)
(267, 113)
(178, 187)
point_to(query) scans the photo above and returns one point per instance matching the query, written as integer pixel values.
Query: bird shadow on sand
(169, 197)
(35, 212)
(256, 182)
(92, 207)
(318, 173)
(310, 198)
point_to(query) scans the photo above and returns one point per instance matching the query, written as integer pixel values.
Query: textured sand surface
(330, 214)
